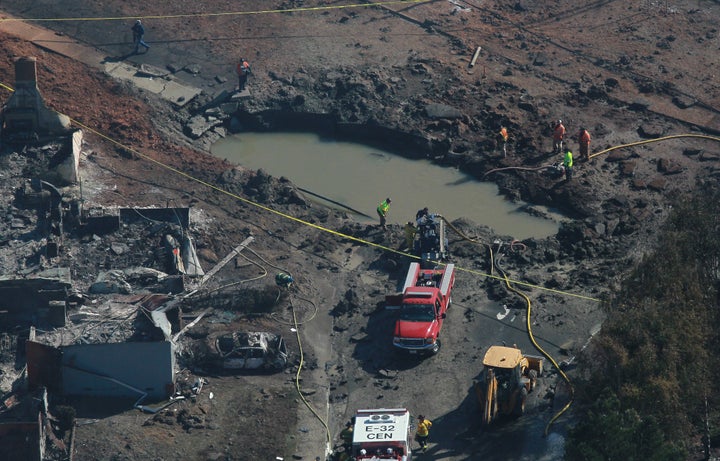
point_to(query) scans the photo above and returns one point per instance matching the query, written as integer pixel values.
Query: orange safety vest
(584, 137)
(559, 132)
(243, 68)
(504, 134)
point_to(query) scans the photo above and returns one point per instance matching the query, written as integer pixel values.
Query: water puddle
(359, 177)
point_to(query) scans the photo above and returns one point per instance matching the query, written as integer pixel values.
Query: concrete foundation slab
(169, 88)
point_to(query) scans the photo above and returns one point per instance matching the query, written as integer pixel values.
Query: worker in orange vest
(243, 71)
(503, 139)
(584, 141)
(558, 136)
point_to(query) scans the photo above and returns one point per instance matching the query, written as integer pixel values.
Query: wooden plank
(226, 259)
(191, 324)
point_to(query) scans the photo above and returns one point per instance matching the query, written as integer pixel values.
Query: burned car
(249, 351)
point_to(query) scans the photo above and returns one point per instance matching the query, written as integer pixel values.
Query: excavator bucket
(486, 392)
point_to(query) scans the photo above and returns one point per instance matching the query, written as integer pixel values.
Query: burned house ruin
(80, 313)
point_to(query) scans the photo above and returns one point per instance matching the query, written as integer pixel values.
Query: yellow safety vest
(423, 428)
(347, 435)
(383, 207)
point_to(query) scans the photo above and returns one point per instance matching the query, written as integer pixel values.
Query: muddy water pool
(359, 177)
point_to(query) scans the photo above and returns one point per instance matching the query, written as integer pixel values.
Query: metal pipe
(475, 56)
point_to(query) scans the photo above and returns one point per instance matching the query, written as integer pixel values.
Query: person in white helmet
(558, 136)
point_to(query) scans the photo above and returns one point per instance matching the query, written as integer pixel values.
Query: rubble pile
(96, 298)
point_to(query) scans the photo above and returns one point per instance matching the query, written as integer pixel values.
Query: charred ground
(625, 71)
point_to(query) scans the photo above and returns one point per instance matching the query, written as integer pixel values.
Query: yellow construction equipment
(507, 378)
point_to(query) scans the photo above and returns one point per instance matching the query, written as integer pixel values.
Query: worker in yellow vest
(410, 231)
(382, 211)
(423, 432)
(568, 164)
(346, 435)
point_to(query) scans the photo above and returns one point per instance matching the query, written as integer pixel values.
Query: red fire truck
(425, 297)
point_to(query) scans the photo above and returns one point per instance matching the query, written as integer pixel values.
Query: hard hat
(137, 22)
(363, 452)
(559, 121)
(389, 451)
(388, 200)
